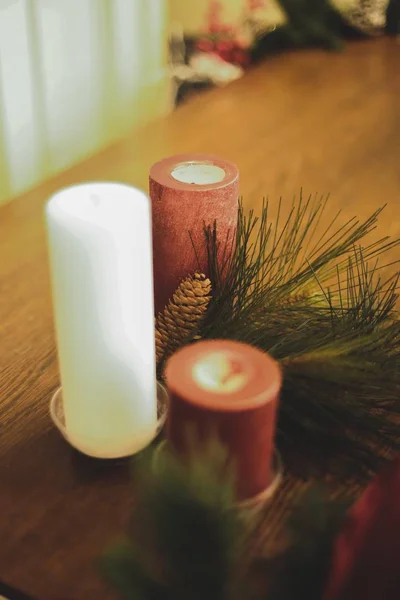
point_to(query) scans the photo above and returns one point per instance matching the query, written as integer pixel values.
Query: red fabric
(366, 558)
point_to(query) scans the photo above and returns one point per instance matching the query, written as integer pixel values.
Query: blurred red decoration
(240, 57)
(205, 45)
(255, 5)
(366, 554)
(227, 28)
(226, 40)
(214, 16)
(214, 27)
(224, 46)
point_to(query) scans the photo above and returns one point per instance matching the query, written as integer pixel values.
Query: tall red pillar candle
(187, 192)
(229, 389)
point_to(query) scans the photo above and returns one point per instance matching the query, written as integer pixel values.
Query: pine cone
(181, 318)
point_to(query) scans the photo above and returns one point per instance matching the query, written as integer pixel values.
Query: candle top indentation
(194, 173)
(105, 203)
(198, 173)
(218, 372)
(224, 375)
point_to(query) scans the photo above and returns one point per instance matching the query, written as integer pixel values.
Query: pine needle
(318, 303)
(185, 542)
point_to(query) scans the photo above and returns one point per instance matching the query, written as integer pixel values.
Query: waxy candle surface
(230, 389)
(189, 192)
(100, 249)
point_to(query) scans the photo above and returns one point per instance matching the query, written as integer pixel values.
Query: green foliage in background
(312, 22)
(393, 18)
(317, 23)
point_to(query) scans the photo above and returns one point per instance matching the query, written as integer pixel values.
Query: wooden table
(326, 122)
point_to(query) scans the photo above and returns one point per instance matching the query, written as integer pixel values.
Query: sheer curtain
(74, 75)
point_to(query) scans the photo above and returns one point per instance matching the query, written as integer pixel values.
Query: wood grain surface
(324, 122)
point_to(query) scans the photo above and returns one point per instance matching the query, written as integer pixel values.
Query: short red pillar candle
(187, 192)
(231, 389)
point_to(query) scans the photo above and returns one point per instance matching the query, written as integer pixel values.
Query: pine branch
(185, 541)
(316, 300)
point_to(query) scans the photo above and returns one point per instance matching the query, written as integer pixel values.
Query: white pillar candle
(100, 248)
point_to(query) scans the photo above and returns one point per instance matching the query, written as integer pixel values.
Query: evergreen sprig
(185, 542)
(315, 299)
